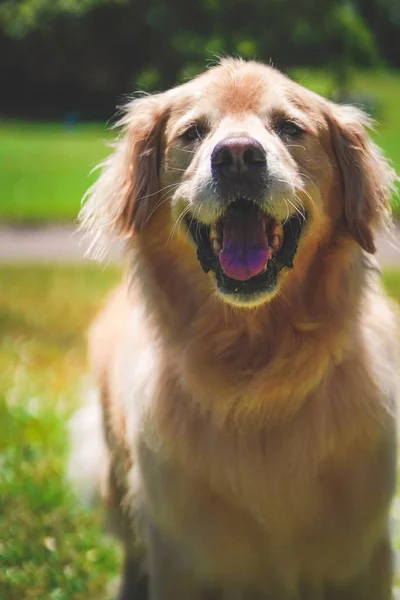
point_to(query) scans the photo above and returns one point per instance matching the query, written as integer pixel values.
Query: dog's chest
(252, 503)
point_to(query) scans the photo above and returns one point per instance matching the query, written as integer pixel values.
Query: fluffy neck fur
(284, 349)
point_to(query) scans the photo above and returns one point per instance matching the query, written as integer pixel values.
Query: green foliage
(352, 43)
(21, 16)
(383, 18)
(84, 54)
(348, 29)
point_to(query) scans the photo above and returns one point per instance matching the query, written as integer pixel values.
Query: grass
(392, 283)
(50, 547)
(44, 168)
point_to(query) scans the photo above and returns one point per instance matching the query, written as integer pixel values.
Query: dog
(244, 442)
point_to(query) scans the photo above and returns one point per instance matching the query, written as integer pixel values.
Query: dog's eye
(289, 128)
(194, 132)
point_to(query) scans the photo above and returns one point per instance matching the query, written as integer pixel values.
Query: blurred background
(65, 65)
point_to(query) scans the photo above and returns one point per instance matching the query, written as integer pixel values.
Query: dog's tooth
(277, 230)
(275, 242)
(274, 239)
(216, 245)
(215, 239)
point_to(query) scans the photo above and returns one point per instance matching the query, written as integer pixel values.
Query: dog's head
(248, 166)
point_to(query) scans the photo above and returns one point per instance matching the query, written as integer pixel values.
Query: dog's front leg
(134, 581)
(170, 574)
(374, 583)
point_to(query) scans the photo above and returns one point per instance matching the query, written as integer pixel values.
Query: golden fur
(251, 451)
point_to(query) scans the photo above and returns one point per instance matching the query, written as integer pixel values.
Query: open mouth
(246, 248)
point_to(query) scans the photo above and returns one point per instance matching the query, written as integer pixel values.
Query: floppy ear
(127, 191)
(367, 177)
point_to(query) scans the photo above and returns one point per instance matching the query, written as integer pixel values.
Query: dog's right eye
(193, 133)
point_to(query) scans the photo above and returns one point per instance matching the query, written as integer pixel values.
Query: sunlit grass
(392, 283)
(50, 547)
(45, 169)
(44, 313)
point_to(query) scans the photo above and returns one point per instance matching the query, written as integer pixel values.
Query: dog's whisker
(171, 186)
(177, 223)
(183, 149)
(297, 209)
(304, 175)
(164, 198)
(162, 201)
(307, 194)
(295, 146)
(287, 210)
(177, 170)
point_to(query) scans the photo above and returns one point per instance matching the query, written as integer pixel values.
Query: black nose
(236, 155)
(239, 168)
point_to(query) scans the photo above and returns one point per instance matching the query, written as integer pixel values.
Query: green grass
(392, 283)
(44, 168)
(50, 547)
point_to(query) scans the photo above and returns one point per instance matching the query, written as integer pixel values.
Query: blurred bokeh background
(65, 65)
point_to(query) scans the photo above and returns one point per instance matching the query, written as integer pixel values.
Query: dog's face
(250, 165)
(247, 166)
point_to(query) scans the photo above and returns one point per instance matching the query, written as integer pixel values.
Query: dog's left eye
(194, 132)
(289, 128)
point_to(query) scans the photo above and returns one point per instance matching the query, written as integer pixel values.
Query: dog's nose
(239, 167)
(236, 155)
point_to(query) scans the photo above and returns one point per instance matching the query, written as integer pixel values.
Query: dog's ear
(367, 178)
(126, 194)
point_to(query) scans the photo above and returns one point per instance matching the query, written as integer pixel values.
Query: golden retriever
(247, 367)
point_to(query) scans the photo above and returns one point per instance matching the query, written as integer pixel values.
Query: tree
(19, 17)
(84, 54)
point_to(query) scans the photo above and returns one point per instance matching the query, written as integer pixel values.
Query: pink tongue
(245, 251)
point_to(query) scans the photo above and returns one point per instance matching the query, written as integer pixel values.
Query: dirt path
(53, 244)
(63, 244)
